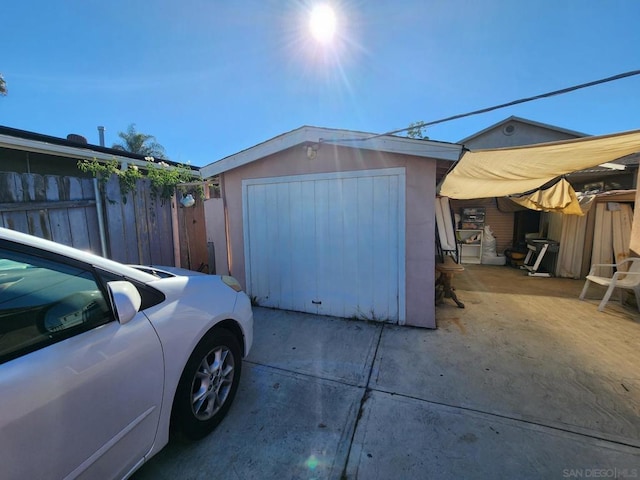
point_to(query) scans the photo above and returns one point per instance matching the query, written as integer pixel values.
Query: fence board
(18, 193)
(91, 215)
(38, 223)
(164, 224)
(113, 220)
(77, 217)
(128, 214)
(16, 221)
(154, 213)
(37, 220)
(33, 204)
(7, 187)
(11, 189)
(59, 218)
(29, 186)
(168, 219)
(140, 212)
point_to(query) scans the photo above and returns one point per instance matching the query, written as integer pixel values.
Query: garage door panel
(350, 245)
(336, 289)
(293, 214)
(329, 248)
(307, 271)
(365, 249)
(281, 250)
(326, 245)
(385, 246)
(272, 247)
(324, 249)
(301, 281)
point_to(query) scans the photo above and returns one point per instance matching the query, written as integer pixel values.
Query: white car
(100, 362)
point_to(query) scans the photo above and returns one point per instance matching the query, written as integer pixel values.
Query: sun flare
(323, 23)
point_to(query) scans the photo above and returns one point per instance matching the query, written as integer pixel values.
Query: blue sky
(210, 78)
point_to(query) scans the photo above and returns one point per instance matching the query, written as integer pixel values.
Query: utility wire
(509, 104)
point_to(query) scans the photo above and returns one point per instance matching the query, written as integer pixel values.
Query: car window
(44, 301)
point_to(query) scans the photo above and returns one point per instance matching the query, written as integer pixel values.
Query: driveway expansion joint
(365, 396)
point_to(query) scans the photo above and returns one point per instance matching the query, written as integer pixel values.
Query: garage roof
(315, 136)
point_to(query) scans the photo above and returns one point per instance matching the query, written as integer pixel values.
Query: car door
(81, 393)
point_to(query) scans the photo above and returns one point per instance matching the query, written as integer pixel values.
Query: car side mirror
(126, 300)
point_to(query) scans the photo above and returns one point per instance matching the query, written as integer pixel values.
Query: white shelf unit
(470, 251)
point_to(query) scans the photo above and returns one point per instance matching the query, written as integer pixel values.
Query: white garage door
(331, 244)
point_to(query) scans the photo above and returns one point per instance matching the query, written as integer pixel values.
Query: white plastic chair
(629, 280)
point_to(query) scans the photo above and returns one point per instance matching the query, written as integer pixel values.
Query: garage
(332, 222)
(330, 244)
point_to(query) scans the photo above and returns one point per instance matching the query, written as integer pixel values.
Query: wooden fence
(138, 226)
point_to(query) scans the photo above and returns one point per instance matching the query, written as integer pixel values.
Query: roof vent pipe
(101, 135)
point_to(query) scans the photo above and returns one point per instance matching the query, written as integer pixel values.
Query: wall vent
(509, 129)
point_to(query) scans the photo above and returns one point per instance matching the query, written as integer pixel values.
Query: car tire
(207, 386)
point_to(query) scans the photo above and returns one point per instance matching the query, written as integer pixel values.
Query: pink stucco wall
(420, 214)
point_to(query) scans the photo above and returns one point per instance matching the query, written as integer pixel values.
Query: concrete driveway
(525, 382)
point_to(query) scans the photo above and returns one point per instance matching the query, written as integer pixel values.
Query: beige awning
(520, 170)
(559, 198)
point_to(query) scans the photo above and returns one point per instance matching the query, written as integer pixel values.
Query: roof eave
(513, 118)
(345, 138)
(79, 153)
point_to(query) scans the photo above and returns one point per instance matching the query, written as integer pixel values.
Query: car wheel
(207, 386)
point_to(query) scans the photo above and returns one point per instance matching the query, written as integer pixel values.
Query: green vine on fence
(164, 178)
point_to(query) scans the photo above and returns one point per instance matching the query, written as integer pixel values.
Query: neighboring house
(22, 151)
(332, 222)
(516, 131)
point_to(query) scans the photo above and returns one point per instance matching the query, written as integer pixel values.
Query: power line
(509, 104)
